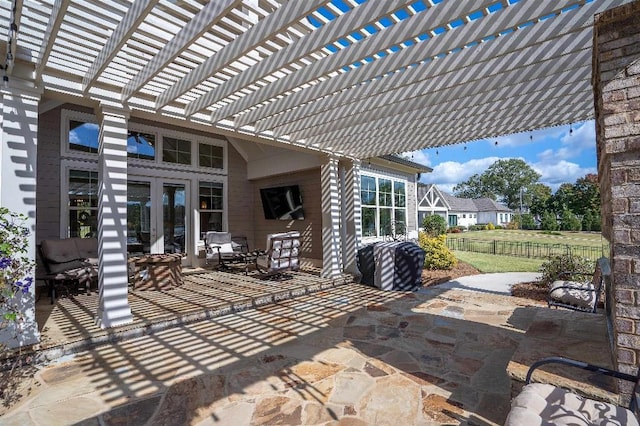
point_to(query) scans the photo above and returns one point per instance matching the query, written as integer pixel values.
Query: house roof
(459, 204)
(487, 204)
(408, 163)
(350, 77)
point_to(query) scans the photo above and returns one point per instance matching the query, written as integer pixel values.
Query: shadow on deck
(69, 325)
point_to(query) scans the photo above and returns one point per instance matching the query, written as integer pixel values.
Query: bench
(69, 260)
(579, 292)
(542, 404)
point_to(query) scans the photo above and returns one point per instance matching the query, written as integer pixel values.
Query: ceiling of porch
(360, 78)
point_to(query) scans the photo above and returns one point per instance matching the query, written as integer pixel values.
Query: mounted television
(282, 202)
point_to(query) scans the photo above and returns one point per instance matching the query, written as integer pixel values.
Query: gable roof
(457, 204)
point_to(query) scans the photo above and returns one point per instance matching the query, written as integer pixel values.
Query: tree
(569, 221)
(549, 222)
(528, 222)
(434, 225)
(474, 187)
(586, 195)
(561, 200)
(539, 193)
(505, 180)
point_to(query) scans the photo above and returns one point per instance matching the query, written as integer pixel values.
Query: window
(383, 203)
(210, 156)
(176, 150)
(211, 206)
(83, 136)
(141, 145)
(83, 204)
(464, 216)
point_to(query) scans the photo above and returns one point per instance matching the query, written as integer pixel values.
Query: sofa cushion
(60, 255)
(580, 294)
(543, 404)
(87, 247)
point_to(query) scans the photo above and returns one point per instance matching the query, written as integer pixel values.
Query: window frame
(378, 207)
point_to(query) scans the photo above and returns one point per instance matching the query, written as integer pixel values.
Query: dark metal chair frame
(634, 405)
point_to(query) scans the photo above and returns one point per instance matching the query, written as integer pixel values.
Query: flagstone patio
(347, 355)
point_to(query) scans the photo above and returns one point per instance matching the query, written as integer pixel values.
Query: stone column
(616, 80)
(351, 215)
(18, 154)
(113, 305)
(330, 202)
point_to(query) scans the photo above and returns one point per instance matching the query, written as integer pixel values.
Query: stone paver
(351, 355)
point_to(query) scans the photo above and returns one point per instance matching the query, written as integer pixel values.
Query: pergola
(351, 77)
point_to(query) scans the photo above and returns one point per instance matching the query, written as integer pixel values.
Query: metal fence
(522, 248)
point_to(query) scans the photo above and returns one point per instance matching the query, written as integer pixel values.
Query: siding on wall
(241, 197)
(48, 181)
(310, 228)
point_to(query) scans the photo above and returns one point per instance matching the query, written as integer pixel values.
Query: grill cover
(392, 265)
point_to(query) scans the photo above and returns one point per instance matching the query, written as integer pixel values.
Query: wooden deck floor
(70, 324)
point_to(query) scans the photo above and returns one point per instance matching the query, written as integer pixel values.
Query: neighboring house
(460, 211)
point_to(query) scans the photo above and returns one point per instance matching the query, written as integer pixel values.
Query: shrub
(477, 227)
(16, 269)
(549, 222)
(491, 226)
(528, 222)
(565, 263)
(438, 255)
(570, 221)
(434, 225)
(455, 230)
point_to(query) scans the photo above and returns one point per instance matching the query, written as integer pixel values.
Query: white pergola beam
(467, 118)
(327, 34)
(382, 40)
(549, 30)
(523, 121)
(424, 109)
(458, 37)
(266, 29)
(211, 13)
(129, 23)
(474, 79)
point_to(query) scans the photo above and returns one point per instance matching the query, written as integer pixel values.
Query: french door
(157, 215)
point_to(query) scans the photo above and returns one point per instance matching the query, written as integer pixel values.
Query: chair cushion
(581, 294)
(543, 404)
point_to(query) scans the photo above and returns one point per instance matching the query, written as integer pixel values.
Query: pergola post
(330, 204)
(113, 305)
(616, 80)
(352, 215)
(18, 160)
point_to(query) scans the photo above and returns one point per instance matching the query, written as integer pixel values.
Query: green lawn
(491, 263)
(589, 239)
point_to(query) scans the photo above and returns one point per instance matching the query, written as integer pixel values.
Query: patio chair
(541, 403)
(577, 291)
(282, 254)
(225, 248)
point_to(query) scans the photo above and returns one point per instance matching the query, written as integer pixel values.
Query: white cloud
(420, 157)
(560, 172)
(450, 173)
(582, 138)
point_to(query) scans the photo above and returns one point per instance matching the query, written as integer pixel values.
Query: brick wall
(616, 80)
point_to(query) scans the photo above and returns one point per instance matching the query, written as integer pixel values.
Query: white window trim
(78, 160)
(393, 178)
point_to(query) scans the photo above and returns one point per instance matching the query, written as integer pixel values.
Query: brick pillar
(616, 81)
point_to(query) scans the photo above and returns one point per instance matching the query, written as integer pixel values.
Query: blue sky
(556, 153)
